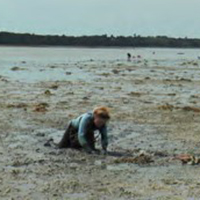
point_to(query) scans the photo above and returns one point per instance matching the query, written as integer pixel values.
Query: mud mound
(41, 107)
(141, 159)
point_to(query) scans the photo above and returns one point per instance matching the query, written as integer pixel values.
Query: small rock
(48, 92)
(86, 98)
(40, 134)
(54, 86)
(48, 143)
(115, 71)
(16, 68)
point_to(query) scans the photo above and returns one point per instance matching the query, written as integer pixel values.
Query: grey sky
(88, 17)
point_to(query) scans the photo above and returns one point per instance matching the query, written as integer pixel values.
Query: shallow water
(33, 60)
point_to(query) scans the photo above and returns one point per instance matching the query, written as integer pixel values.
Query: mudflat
(155, 106)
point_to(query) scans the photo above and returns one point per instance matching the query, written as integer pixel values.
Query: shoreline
(95, 47)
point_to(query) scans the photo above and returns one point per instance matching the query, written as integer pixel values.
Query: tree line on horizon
(26, 39)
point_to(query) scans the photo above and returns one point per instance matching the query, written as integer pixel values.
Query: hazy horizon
(172, 18)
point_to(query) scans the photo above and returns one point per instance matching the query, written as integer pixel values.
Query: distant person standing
(128, 57)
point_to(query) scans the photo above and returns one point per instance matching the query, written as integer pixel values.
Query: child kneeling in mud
(80, 131)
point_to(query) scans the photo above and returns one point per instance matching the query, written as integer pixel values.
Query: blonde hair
(102, 112)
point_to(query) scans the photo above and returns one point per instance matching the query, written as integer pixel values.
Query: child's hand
(93, 152)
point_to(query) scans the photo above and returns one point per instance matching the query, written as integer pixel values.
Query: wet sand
(155, 110)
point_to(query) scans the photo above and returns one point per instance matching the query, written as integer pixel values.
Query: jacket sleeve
(104, 137)
(82, 132)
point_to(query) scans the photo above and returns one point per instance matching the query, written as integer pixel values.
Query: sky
(173, 18)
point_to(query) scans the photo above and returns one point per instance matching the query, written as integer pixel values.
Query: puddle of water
(75, 195)
(65, 59)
